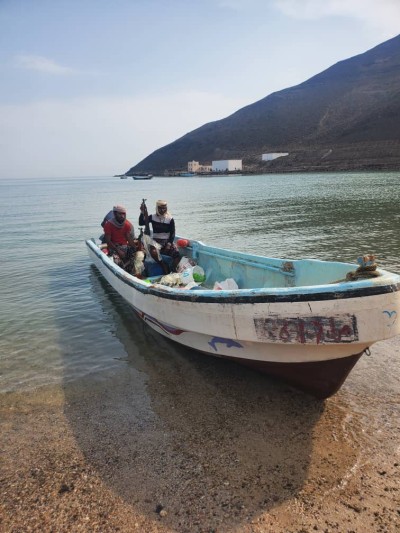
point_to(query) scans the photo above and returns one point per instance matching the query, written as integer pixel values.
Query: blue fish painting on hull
(229, 343)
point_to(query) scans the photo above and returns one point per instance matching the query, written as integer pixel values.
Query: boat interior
(252, 272)
(255, 272)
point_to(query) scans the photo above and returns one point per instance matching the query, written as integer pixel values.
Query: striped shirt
(163, 227)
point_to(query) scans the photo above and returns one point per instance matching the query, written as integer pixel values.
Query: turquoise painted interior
(252, 272)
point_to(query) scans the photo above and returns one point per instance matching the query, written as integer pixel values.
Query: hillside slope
(346, 117)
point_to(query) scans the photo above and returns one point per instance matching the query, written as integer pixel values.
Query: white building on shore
(227, 165)
(195, 166)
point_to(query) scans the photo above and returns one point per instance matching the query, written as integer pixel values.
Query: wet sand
(185, 443)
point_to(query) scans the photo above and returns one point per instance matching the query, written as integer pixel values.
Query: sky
(91, 87)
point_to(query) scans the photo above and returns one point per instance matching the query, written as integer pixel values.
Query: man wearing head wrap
(119, 235)
(163, 226)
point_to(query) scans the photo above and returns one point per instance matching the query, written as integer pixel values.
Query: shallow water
(100, 394)
(55, 312)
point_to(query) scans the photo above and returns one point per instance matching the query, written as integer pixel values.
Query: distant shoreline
(292, 170)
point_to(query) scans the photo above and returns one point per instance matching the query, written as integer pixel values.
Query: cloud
(41, 64)
(383, 15)
(99, 136)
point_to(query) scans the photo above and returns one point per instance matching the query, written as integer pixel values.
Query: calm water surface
(60, 321)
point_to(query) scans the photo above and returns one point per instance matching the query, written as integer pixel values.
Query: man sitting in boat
(163, 226)
(121, 242)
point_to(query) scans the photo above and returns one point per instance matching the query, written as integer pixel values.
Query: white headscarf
(114, 221)
(162, 203)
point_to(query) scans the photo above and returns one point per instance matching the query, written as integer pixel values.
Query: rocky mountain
(347, 117)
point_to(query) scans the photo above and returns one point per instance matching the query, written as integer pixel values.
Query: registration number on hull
(308, 330)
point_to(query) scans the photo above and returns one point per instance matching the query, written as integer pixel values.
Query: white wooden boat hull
(311, 339)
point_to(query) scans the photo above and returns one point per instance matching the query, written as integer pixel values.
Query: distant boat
(305, 321)
(123, 177)
(187, 174)
(146, 177)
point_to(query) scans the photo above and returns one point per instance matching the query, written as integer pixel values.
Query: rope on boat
(366, 270)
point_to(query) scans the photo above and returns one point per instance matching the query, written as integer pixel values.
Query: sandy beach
(195, 444)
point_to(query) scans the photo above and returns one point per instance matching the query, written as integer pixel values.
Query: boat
(187, 174)
(304, 321)
(146, 177)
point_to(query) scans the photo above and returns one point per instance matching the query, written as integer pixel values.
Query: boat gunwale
(342, 290)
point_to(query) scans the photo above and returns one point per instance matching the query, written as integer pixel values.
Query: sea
(60, 321)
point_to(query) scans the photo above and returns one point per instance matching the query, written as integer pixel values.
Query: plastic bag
(138, 262)
(147, 241)
(190, 285)
(171, 280)
(198, 274)
(227, 285)
(185, 263)
(186, 276)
